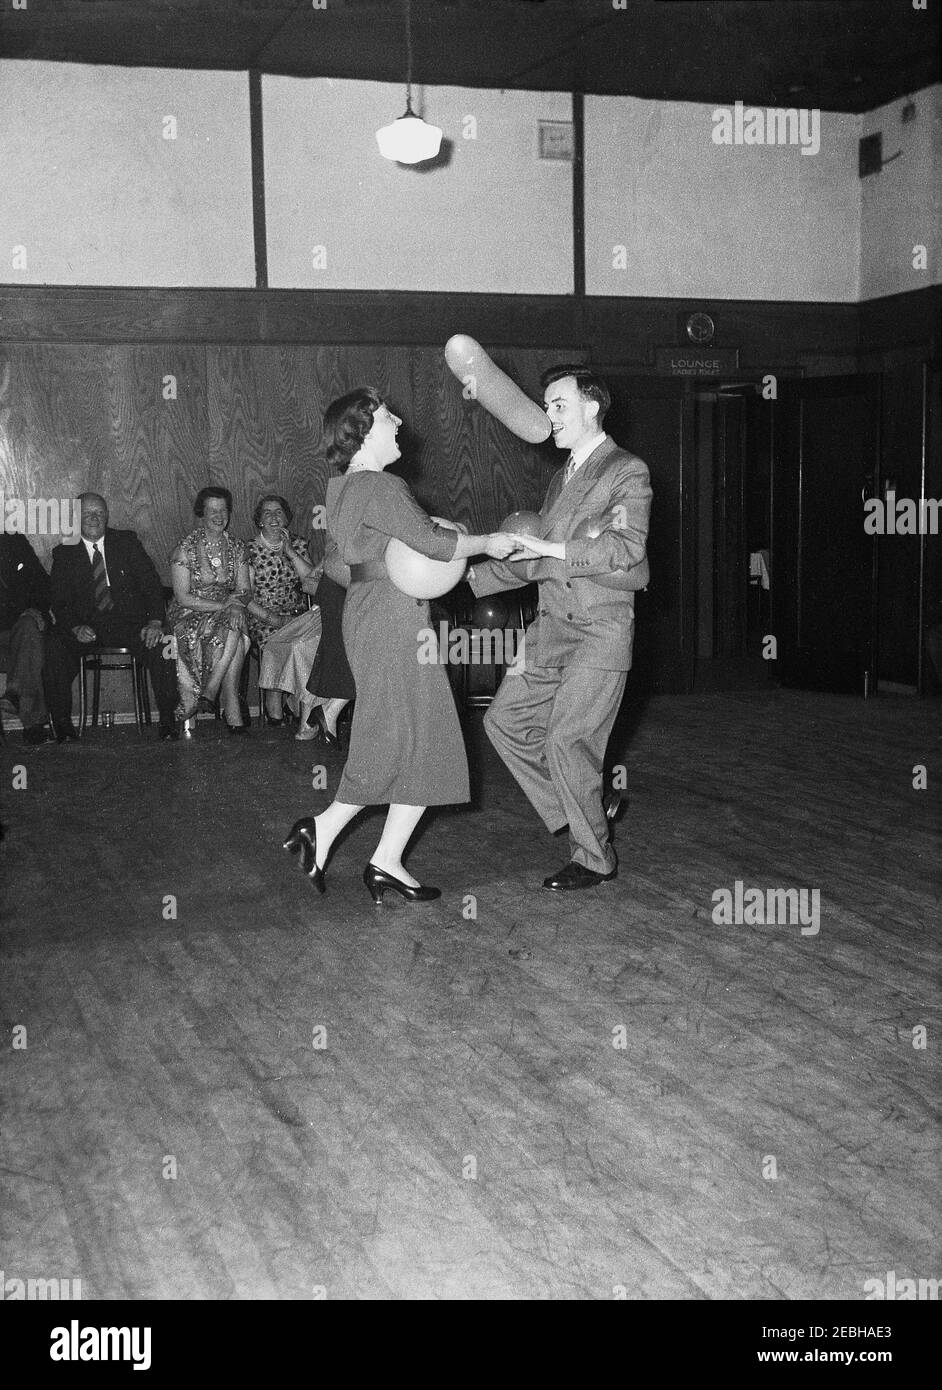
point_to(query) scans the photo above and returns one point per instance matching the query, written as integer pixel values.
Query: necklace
(214, 550)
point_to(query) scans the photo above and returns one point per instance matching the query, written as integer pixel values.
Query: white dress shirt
(578, 456)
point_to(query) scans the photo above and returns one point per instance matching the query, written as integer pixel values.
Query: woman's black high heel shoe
(330, 739)
(377, 881)
(303, 836)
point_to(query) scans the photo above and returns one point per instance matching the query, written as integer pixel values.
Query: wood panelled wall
(84, 398)
(149, 426)
(624, 331)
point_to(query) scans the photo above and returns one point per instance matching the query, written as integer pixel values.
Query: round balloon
(523, 524)
(418, 576)
(590, 528)
(490, 612)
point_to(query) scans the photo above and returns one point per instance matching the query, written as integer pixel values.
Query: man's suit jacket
(581, 622)
(136, 590)
(23, 581)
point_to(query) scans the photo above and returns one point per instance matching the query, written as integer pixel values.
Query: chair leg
(138, 702)
(83, 696)
(145, 694)
(96, 691)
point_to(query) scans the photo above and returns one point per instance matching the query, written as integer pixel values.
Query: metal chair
(112, 659)
(521, 605)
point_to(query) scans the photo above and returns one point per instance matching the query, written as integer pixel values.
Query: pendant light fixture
(410, 140)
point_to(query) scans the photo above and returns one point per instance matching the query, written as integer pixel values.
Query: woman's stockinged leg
(233, 669)
(220, 670)
(332, 712)
(329, 825)
(401, 822)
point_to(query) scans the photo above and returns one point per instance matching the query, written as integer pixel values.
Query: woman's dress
(201, 635)
(406, 744)
(275, 585)
(286, 654)
(331, 677)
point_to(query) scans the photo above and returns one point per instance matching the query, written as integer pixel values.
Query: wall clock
(699, 328)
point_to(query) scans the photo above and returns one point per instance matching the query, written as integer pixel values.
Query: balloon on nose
(484, 381)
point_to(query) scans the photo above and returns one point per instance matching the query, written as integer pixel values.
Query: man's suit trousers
(551, 726)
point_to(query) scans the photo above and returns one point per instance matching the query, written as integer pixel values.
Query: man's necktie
(102, 592)
(570, 469)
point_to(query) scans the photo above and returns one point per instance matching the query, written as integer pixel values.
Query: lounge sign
(692, 361)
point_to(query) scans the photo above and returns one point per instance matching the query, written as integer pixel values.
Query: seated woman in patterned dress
(281, 575)
(208, 611)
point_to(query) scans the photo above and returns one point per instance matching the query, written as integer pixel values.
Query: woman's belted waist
(370, 569)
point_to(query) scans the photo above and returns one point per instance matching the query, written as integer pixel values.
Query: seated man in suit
(106, 593)
(553, 714)
(24, 621)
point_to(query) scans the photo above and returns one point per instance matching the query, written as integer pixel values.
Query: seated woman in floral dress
(208, 611)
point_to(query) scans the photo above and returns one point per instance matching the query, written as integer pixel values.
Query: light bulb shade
(409, 140)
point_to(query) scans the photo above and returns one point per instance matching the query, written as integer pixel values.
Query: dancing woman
(406, 745)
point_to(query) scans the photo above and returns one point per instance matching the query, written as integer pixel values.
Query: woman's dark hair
(271, 497)
(590, 386)
(205, 493)
(347, 422)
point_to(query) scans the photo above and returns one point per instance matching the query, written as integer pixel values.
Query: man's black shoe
(576, 876)
(65, 730)
(169, 728)
(35, 734)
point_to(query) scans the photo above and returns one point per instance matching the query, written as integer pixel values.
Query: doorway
(703, 621)
(733, 432)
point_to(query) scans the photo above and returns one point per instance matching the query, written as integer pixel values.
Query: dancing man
(553, 714)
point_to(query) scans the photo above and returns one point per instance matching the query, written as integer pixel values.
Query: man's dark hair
(347, 422)
(590, 386)
(205, 493)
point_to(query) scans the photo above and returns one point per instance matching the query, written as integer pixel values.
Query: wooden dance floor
(277, 1095)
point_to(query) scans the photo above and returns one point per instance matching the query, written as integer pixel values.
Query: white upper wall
(902, 205)
(94, 193)
(495, 219)
(707, 220)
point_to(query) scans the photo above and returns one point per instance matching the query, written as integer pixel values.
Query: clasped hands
(509, 545)
(234, 607)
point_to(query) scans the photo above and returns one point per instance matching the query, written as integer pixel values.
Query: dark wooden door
(823, 563)
(653, 416)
